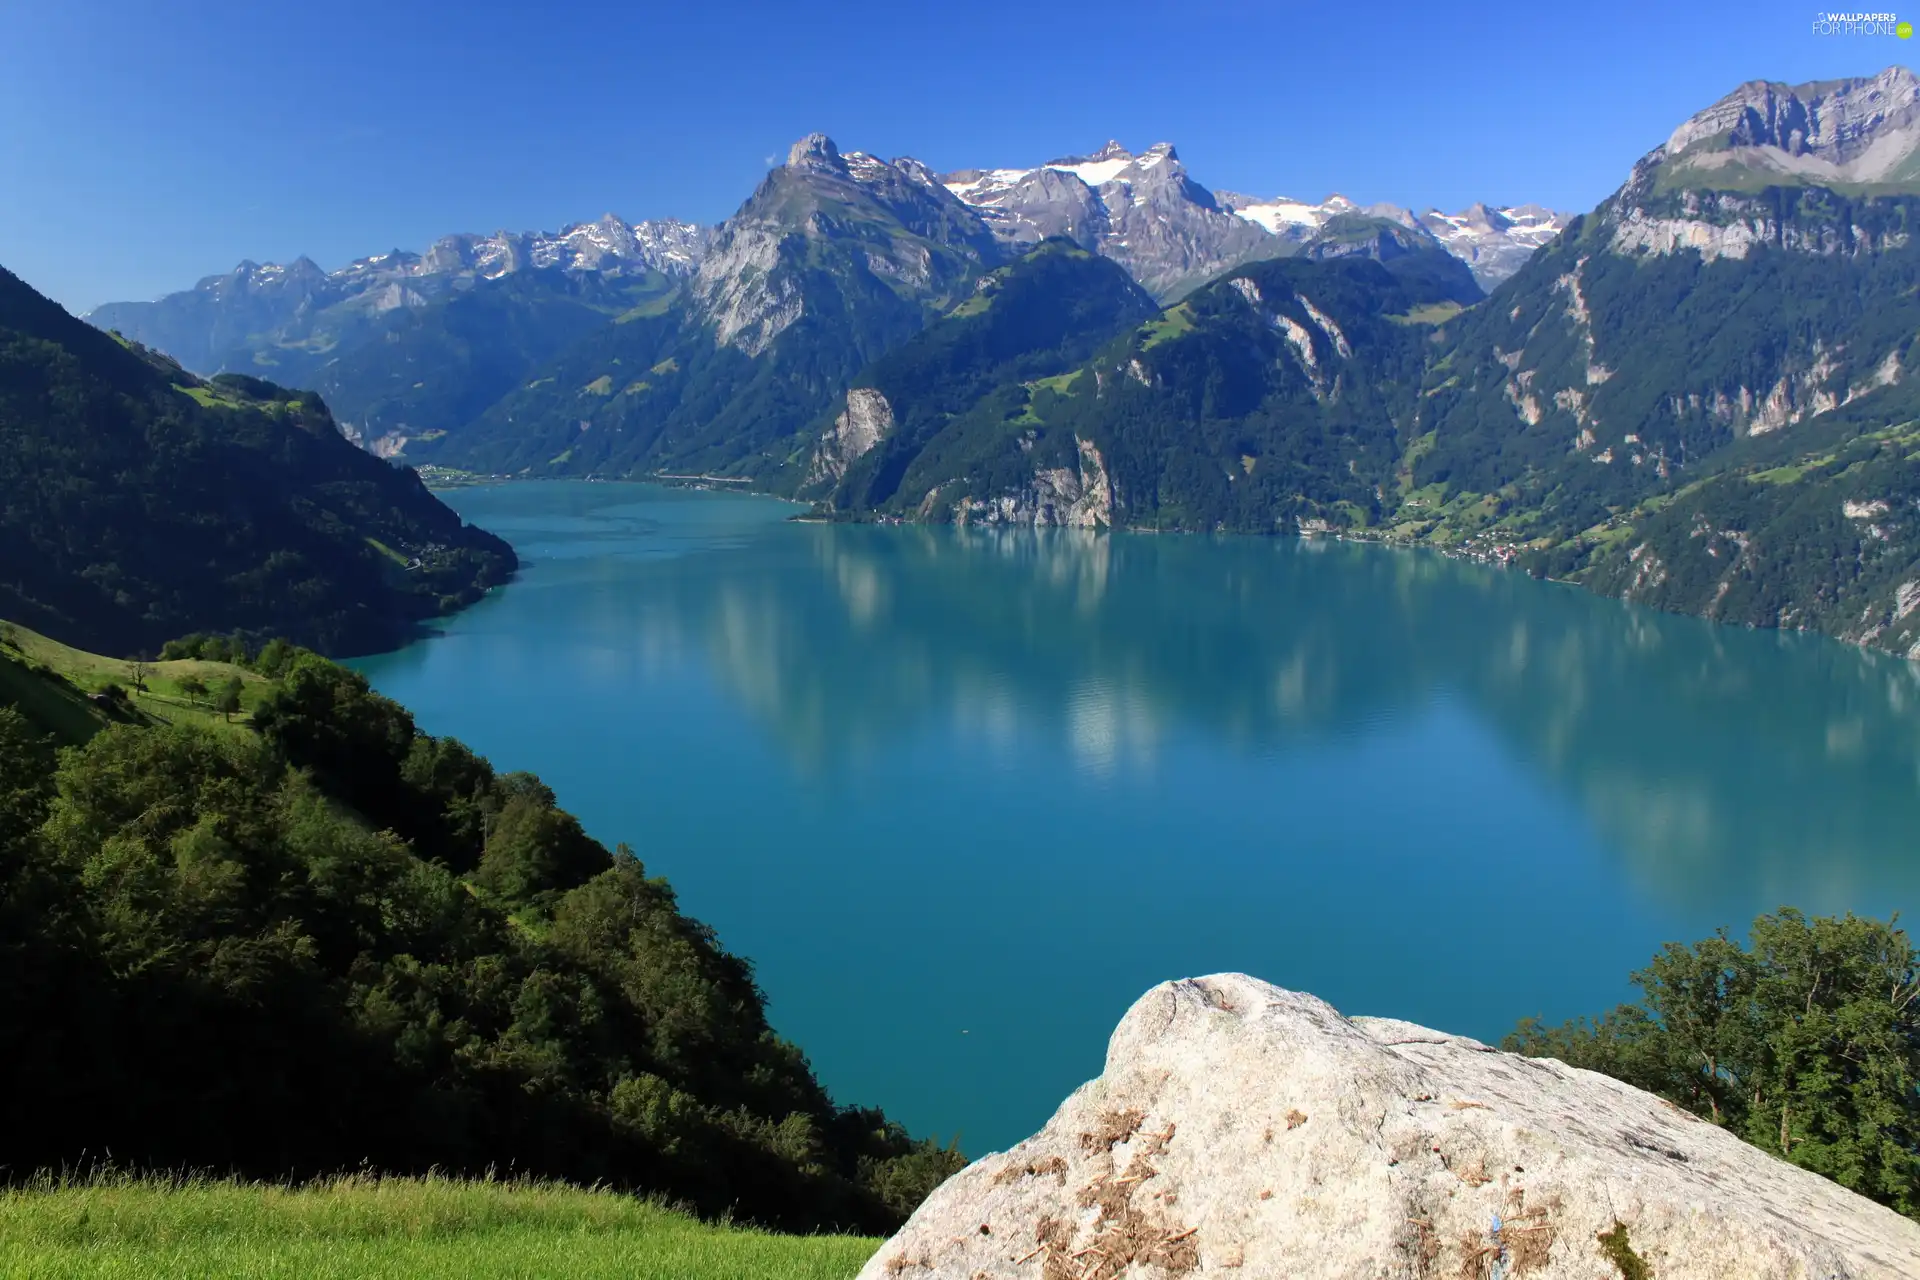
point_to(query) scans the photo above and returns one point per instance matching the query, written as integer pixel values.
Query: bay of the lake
(963, 795)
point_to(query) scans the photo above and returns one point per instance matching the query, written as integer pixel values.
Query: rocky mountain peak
(1481, 218)
(917, 171)
(1112, 151)
(815, 151)
(1860, 131)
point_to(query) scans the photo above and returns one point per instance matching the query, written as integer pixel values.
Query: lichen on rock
(1241, 1129)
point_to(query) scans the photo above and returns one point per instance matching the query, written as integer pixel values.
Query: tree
(274, 658)
(194, 687)
(209, 957)
(226, 698)
(138, 669)
(26, 769)
(1805, 1042)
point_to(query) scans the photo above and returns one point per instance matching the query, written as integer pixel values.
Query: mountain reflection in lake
(938, 780)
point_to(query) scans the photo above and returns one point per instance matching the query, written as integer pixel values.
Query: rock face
(861, 425)
(1077, 497)
(1240, 1129)
(1496, 243)
(859, 241)
(1142, 211)
(1864, 130)
(1171, 233)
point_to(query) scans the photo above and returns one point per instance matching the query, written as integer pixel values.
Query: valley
(1674, 398)
(668, 746)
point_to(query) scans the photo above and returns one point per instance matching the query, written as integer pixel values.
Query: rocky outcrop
(1495, 243)
(1722, 225)
(1079, 497)
(861, 425)
(1240, 1129)
(1143, 211)
(1862, 130)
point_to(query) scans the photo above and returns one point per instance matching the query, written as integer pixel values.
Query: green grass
(52, 704)
(651, 307)
(207, 397)
(58, 704)
(395, 1227)
(1059, 383)
(975, 305)
(1431, 313)
(387, 551)
(1169, 325)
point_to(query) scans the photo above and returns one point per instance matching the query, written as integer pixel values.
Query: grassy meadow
(355, 1227)
(51, 682)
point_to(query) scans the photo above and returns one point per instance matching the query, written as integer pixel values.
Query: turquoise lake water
(962, 796)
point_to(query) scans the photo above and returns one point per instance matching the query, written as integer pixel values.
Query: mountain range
(1692, 395)
(294, 321)
(1696, 396)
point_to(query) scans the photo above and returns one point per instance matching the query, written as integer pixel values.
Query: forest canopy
(329, 941)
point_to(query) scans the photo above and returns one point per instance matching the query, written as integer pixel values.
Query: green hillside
(138, 502)
(313, 938)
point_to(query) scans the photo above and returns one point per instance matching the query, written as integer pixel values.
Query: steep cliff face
(1242, 1130)
(1862, 131)
(1079, 496)
(861, 425)
(1142, 211)
(1721, 295)
(1147, 213)
(823, 217)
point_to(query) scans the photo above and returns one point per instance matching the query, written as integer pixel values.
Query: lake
(963, 795)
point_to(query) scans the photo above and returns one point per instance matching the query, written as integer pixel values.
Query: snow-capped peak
(1286, 217)
(986, 186)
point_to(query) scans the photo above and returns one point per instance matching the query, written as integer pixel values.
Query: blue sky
(143, 146)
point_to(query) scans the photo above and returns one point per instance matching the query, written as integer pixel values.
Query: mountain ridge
(138, 503)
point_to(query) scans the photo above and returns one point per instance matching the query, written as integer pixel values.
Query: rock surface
(861, 425)
(1241, 1129)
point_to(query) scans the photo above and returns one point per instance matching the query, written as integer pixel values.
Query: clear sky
(145, 145)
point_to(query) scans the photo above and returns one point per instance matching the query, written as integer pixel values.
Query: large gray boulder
(1241, 1129)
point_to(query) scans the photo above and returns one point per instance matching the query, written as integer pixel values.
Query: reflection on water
(1000, 781)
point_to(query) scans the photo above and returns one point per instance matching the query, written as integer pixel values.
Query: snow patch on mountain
(1087, 197)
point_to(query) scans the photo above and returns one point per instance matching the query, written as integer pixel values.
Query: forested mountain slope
(1267, 398)
(138, 502)
(327, 941)
(952, 398)
(1697, 396)
(1701, 397)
